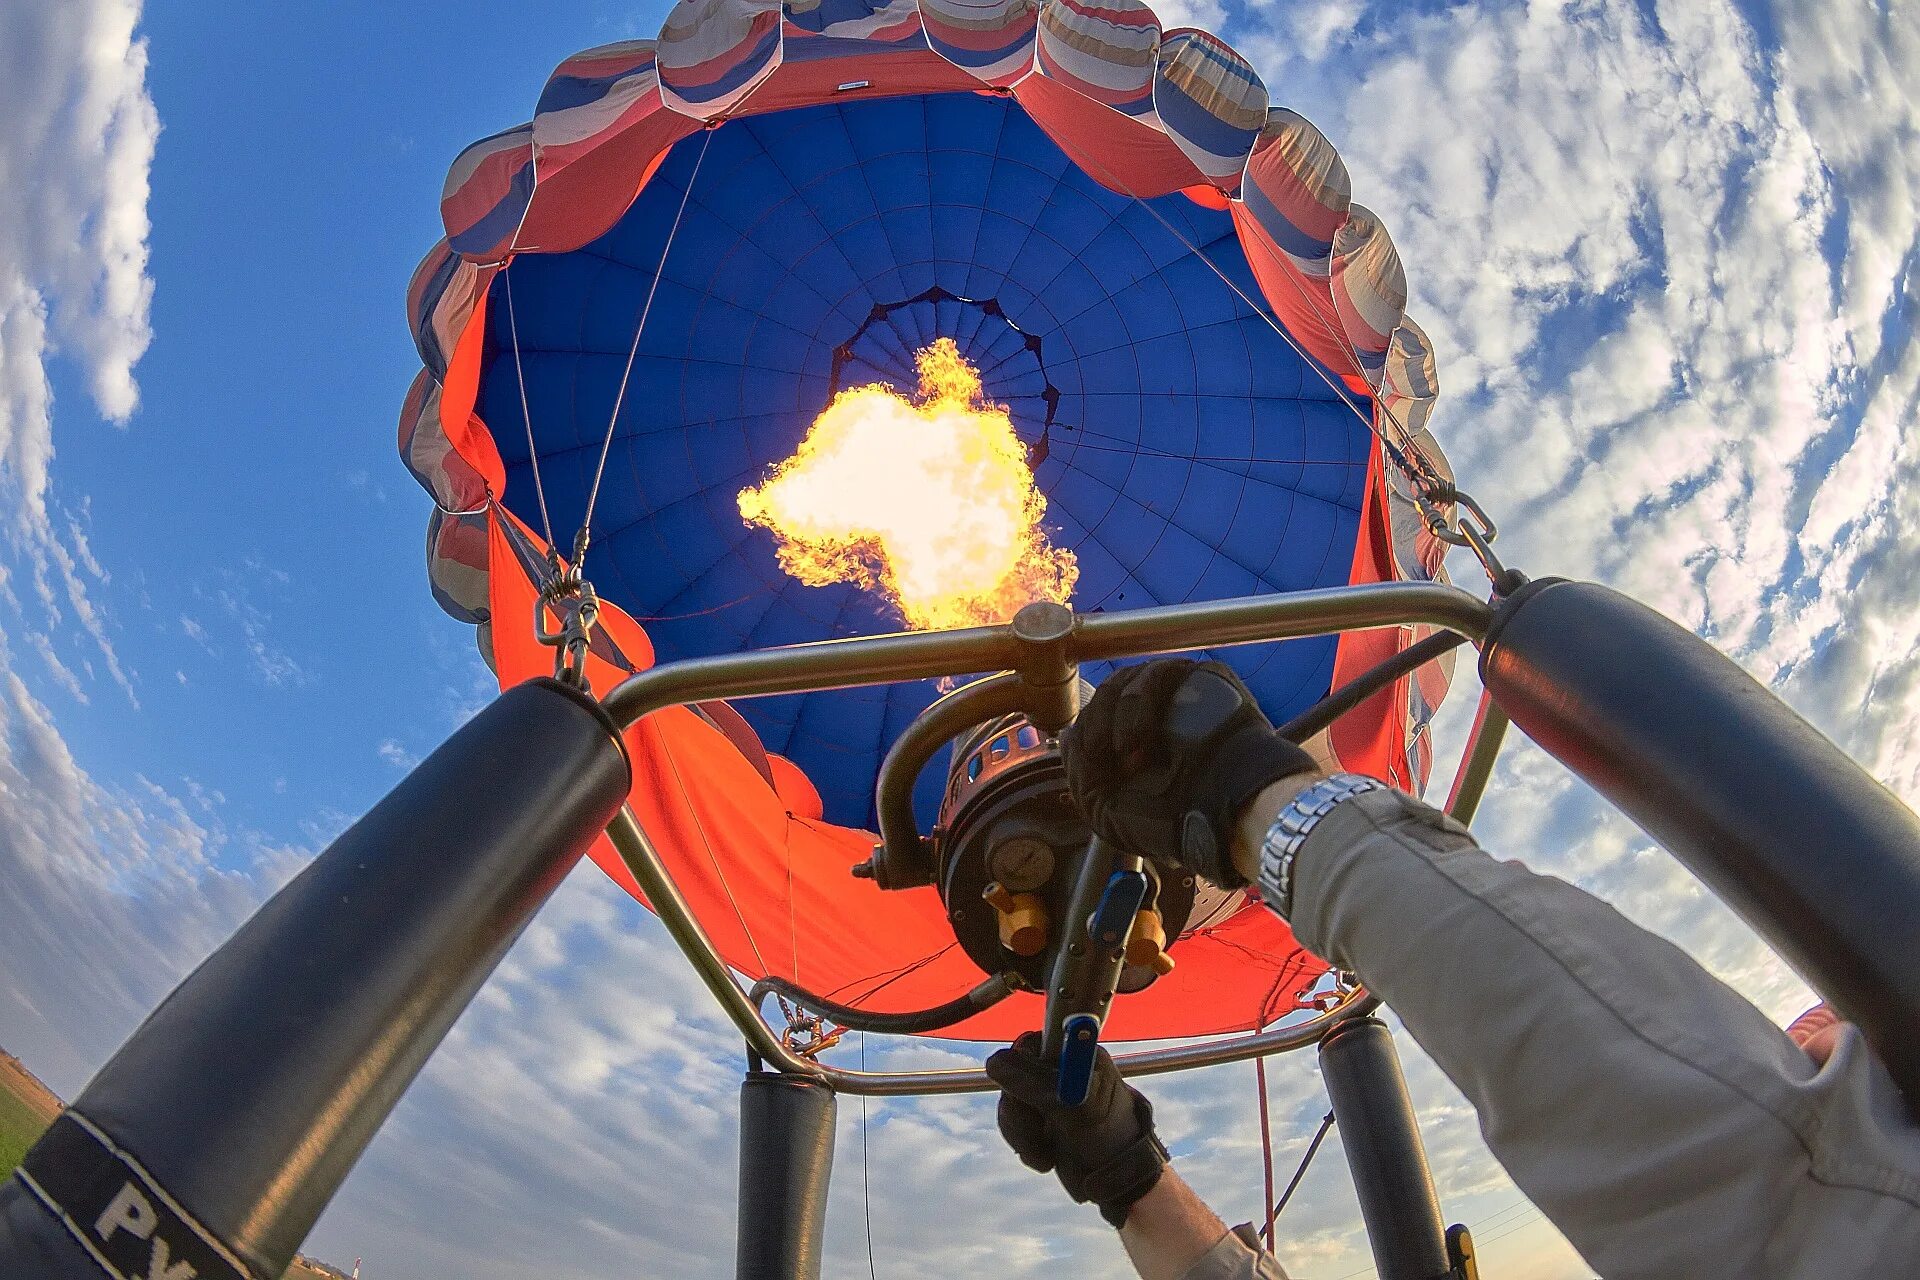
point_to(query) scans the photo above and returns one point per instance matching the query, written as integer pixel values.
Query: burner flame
(927, 499)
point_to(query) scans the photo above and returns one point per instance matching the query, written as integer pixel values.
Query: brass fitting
(1023, 919)
(1147, 943)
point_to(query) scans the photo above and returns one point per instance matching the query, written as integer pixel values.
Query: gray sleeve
(1659, 1119)
(1237, 1256)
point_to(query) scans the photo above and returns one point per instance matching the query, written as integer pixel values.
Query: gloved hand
(1166, 755)
(1105, 1149)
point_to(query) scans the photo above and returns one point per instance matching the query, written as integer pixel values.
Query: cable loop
(574, 636)
(1469, 526)
(807, 1035)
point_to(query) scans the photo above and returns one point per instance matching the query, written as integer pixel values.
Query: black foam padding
(113, 1211)
(1378, 1132)
(1819, 858)
(250, 1092)
(34, 1242)
(786, 1157)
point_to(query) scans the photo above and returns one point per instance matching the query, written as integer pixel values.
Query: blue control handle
(1107, 930)
(1120, 902)
(1077, 1053)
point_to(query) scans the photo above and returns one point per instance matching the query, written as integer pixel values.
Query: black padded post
(212, 1140)
(786, 1157)
(1384, 1153)
(1818, 857)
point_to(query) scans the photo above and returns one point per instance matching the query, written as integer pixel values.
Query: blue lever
(1079, 1045)
(1120, 902)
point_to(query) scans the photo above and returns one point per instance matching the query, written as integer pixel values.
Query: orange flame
(928, 500)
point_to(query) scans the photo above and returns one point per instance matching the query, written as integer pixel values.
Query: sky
(1666, 250)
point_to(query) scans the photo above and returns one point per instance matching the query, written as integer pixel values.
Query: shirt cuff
(1236, 1256)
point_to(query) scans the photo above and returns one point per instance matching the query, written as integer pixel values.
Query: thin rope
(1266, 1148)
(526, 415)
(903, 972)
(718, 874)
(1326, 1123)
(1346, 344)
(1077, 440)
(1259, 309)
(697, 613)
(866, 1192)
(1512, 1213)
(1399, 454)
(633, 352)
(1518, 1224)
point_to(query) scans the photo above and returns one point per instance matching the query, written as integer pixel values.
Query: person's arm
(1106, 1153)
(1662, 1123)
(1665, 1125)
(1170, 1229)
(1172, 1235)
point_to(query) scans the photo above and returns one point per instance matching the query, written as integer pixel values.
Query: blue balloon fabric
(1186, 450)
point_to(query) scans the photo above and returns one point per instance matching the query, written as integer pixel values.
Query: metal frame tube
(840, 664)
(922, 655)
(946, 719)
(1476, 762)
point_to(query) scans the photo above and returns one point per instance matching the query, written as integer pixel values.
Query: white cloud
(111, 894)
(78, 144)
(62, 674)
(1209, 15)
(77, 133)
(54, 559)
(396, 755)
(242, 598)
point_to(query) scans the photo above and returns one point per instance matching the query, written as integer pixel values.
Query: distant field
(20, 1124)
(25, 1112)
(26, 1108)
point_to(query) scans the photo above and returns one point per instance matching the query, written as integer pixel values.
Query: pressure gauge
(1022, 862)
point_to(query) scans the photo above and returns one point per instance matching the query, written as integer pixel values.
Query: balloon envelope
(1196, 409)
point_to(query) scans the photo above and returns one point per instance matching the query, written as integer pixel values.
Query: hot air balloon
(1037, 330)
(648, 294)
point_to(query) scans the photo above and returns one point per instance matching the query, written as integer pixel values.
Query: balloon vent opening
(927, 498)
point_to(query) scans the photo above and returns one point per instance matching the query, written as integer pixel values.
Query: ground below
(27, 1107)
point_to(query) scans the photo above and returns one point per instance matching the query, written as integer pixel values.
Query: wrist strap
(1116, 1186)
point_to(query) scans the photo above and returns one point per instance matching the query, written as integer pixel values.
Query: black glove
(1165, 757)
(1105, 1149)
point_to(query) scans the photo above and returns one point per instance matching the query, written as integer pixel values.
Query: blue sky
(1666, 251)
(295, 186)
